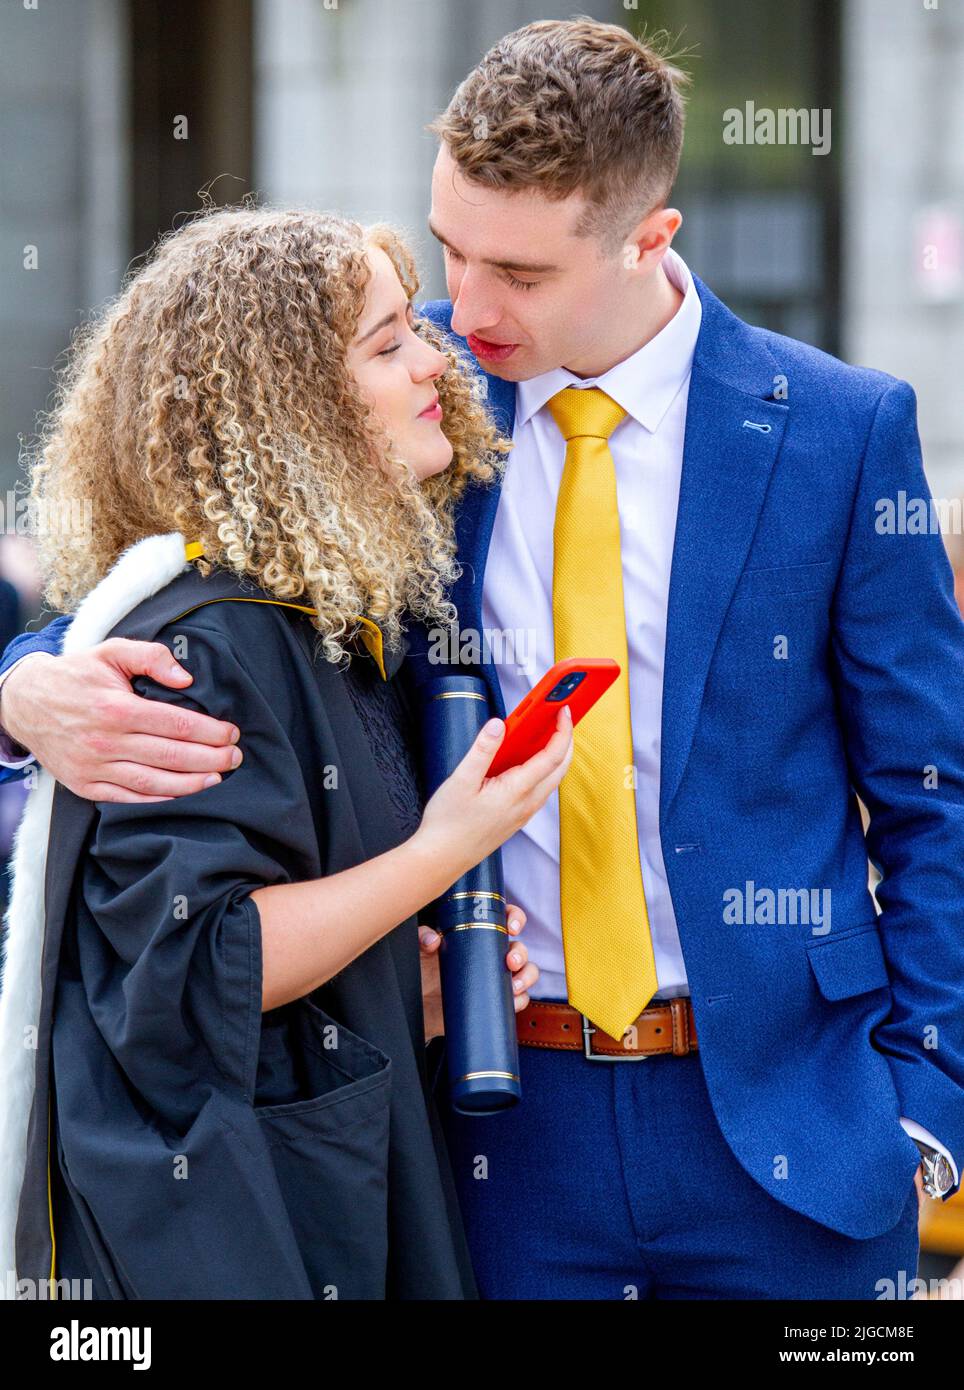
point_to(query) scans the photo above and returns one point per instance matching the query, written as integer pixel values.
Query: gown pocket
(329, 1147)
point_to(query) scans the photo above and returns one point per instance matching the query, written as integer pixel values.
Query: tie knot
(585, 412)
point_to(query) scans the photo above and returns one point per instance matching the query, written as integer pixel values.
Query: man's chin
(515, 368)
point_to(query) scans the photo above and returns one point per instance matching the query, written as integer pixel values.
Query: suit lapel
(474, 523)
(476, 516)
(727, 463)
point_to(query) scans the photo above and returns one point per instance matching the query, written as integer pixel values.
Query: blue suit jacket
(808, 658)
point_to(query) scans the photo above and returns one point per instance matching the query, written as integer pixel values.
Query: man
(737, 1078)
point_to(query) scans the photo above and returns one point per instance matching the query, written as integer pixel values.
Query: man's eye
(520, 284)
(447, 251)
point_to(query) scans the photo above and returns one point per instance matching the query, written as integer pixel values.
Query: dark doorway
(761, 222)
(191, 77)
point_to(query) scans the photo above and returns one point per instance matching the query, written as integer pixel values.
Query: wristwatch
(938, 1175)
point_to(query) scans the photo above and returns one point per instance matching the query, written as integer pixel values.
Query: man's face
(526, 292)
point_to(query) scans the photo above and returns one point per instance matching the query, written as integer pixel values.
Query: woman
(230, 1096)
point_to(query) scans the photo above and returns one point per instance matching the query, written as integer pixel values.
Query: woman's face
(396, 371)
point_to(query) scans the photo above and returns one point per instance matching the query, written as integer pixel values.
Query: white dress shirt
(652, 386)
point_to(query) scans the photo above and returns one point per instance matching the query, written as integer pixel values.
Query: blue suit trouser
(614, 1181)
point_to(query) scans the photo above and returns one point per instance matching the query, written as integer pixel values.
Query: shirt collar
(646, 383)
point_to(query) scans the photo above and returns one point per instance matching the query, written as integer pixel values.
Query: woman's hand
(468, 817)
(472, 814)
(524, 972)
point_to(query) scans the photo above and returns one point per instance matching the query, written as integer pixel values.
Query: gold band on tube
(480, 893)
(473, 926)
(478, 1075)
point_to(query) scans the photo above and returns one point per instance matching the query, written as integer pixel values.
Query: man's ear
(651, 238)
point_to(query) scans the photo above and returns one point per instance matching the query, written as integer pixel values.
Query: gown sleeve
(168, 885)
(185, 1187)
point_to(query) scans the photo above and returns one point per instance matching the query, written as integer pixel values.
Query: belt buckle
(587, 1031)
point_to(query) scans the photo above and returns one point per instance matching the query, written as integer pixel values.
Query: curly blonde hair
(213, 397)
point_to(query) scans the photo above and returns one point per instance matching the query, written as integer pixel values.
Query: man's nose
(472, 310)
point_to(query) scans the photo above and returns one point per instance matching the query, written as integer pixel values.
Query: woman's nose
(434, 364)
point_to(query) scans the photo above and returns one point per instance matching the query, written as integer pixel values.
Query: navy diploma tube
(481, 1045)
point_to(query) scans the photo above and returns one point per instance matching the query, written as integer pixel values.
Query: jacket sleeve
(13, 762)
(898, 665)
(49, 639)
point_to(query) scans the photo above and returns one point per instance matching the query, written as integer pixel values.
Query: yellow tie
(610, 970)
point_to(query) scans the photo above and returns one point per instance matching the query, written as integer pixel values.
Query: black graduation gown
(199, 1148)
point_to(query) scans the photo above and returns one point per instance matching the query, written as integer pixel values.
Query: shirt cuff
(917, 1131)
(12, 754)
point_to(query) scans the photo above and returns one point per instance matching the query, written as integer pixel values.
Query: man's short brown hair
(567, 105)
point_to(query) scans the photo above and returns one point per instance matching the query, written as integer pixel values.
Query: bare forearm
(310, 931)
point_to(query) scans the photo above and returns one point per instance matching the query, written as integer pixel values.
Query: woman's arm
(467, 818)
(311, 931)
(230, 875)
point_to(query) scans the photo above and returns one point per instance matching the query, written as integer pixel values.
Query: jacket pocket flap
(849, 965)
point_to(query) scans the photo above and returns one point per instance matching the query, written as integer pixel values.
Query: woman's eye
(387, 351)
(447, 251)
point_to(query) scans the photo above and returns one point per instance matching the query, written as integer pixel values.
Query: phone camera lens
(564, 689)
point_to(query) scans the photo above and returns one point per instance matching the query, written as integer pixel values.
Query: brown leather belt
(668, 1027)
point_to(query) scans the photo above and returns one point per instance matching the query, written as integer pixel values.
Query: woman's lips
(491, 352)
(431, 412)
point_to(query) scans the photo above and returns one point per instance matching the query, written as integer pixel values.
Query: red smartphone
(577, 682)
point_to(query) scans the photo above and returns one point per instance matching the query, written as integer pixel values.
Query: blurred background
(116, 115)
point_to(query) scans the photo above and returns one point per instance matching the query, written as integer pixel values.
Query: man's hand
(524, 972)
(80, 718)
